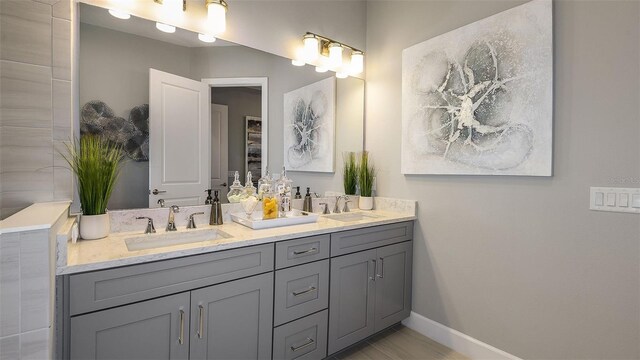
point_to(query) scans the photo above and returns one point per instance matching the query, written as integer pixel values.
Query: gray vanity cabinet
(233, 320)
(370, 291)
(351, 304)
(153, 329)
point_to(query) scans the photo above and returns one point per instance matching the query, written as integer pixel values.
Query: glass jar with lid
(249, 189)
(265, 184)
(283, 190)
(269, 205)
(237, 190)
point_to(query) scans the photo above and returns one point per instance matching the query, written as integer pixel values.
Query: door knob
(156, 192)
(223, 184)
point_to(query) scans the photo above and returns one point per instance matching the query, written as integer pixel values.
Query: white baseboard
(462, 343)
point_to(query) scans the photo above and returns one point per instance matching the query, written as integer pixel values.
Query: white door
(179, 139)
(220, 149)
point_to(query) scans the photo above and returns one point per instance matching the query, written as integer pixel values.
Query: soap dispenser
(209, 199)
(298, 196)
(216, 210)
(308, 202)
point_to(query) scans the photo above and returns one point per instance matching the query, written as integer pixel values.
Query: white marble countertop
(89, 255)
(36, 217)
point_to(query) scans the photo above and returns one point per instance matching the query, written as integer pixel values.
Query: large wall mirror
(170, 98)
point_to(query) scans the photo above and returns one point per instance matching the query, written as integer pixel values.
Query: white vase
(365, 203)
(94, 226)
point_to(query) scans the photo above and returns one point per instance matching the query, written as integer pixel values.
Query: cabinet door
(233, 320)
(393, 284)
(154, 329)
(351, 304)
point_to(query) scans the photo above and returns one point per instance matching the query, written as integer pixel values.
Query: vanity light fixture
(173, 5)
(206, 38)
(327, 54)
(165, 28)
(119, 14)
(216, 16)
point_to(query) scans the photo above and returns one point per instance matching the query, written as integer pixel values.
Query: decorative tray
(295, 217)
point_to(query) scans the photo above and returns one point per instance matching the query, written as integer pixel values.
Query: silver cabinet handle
(181, 336)
(156, 192)
(309, 342)
(200, 320)
(375, 267)
(381, 275)
(305, 251)
(298, 293)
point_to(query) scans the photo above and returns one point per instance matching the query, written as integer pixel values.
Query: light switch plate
(615, 199)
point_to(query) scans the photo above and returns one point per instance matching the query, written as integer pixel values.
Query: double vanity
(230, 292)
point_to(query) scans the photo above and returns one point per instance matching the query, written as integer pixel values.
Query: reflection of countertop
(88, 255)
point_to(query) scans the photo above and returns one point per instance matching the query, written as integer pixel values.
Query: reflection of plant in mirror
(350, 173)
(96, 163)
(366, 173)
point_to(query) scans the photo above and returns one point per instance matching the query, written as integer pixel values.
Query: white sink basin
(348, 217)
(153, 241)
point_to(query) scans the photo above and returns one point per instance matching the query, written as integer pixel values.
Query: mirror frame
(263, 82)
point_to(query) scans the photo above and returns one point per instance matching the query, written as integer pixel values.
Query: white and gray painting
(309, 127)
(478, 100)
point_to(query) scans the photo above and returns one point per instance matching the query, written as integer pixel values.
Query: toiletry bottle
(216, 210)
(308, 202)
(209, 200)
(298, 196)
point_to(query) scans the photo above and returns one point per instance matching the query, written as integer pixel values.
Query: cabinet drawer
(305, 338)
(301, 251)
(347, 242)
(114, 287)
(300, 291)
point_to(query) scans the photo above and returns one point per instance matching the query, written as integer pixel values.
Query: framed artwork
(309, 127)
(478, 100)
(253, 141)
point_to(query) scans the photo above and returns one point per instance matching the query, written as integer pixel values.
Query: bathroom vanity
(304, 291)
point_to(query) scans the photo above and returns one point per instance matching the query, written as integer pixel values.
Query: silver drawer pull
(312, 250)
(200, 320)
(181, 336)
(381, 275)
(309, 342)
(298, 293)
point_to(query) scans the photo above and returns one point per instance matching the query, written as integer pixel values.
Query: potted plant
(350, 173)
(96, 162)
(366, 174)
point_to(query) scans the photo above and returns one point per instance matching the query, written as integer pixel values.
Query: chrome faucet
(150, 228)
(346, 203)
(191, 224)
(171, 224)
(336, 209)
(326, 208)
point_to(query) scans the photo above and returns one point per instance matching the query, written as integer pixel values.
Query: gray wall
(115, 69)
(520, 262)
(242, 101)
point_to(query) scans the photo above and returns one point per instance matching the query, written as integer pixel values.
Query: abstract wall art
(309, 127)
(97, 118)
(479, 100)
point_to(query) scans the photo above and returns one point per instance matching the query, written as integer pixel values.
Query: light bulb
(206, 38)
(119, 14)
(310, 48)
(299, 59)
(357, 62)
(165, 28)
(335, 55)
(172, 7)
(216, 17)
(342, 74)
(321, 69)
